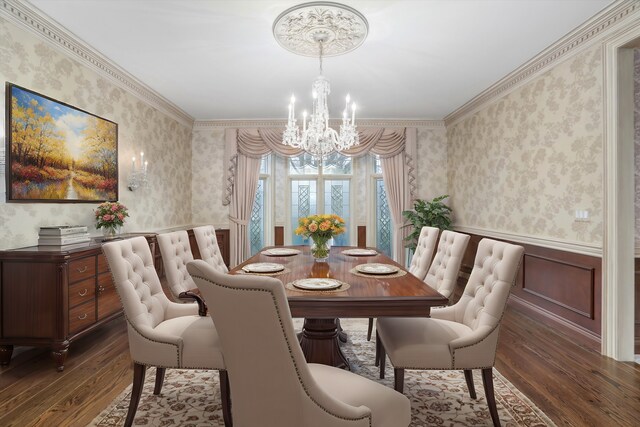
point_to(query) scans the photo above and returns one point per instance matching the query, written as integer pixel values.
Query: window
(259, 215)
(320, 186)
(383, 224)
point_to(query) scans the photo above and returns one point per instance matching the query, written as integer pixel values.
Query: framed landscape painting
(58, 153)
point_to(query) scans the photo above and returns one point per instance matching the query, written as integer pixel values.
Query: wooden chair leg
(468, 376)
(399, 379)
(487, 381)
(370, 329)
(138, 381)
(159, 380)
(382, 360)
(378, 344)
(225, 395)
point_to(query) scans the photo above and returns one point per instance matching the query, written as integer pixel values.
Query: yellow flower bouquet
(321, 229)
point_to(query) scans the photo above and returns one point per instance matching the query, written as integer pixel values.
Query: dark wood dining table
(367, 297)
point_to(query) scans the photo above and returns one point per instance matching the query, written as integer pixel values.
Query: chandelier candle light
(323, 29)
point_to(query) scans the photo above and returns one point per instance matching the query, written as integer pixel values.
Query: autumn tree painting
(59, 153)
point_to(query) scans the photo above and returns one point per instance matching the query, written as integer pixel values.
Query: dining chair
(272, 384)
(162, 333)
(420, 260)
(461, 336)
(445, 267)
(208, 247)
(176, 253)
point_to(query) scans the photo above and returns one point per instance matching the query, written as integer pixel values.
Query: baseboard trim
(575, 247)
(585, 337)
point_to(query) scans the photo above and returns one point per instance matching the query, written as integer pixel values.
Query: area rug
(438, 398)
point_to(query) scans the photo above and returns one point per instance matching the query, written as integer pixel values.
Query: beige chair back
(443, 272)
(485, 296)
(208, 246)
(270, 381)
(176, 253)
(424, 251)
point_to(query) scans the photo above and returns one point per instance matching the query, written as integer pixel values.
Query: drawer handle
(84, 316)
(83, 269)
(100, 289)
(84, 292)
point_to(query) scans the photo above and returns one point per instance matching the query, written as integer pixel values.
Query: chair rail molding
(595, 29)
(33, 19)
(257, 123)
(550, 243)
(618, 263)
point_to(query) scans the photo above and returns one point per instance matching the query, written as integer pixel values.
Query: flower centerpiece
(110, 217)
(321, 229)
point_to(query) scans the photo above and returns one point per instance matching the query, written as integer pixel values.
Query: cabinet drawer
(82, 316)
(107, 298)
(82, 269)
(103, 265)
(82, 291)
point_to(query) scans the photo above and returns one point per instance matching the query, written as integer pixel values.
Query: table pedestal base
(319, 342)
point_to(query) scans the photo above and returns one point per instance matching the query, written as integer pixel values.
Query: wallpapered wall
(29, 62)
(525, 163)
(636, 116)
(208, 147)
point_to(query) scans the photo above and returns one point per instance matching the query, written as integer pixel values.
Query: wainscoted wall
(637, 325)
(526, 162)
(557, 287)
(30, 62)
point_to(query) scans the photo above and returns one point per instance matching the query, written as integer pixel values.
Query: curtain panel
(245, 147)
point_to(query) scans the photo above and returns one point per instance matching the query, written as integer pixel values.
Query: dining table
(361, 295)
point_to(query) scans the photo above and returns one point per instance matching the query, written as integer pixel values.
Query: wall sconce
(138, 175)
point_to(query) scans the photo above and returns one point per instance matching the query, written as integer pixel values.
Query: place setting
(377, 270)
(277, 252)
(317, 284)
(360, 252)
(264, 269)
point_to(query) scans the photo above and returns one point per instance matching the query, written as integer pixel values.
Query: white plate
(376, 268)
(317, 284)
(280, 252)
(360, 252)
(263, 267)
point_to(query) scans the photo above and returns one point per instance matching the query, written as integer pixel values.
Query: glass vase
(110, 233)
(320, 248)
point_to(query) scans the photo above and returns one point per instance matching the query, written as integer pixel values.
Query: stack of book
(61, 235)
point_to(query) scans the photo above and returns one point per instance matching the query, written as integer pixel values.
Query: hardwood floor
(571, 383)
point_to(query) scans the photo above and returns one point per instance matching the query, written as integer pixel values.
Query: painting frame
(97, 185)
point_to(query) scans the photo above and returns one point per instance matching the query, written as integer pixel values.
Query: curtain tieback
(239, 221)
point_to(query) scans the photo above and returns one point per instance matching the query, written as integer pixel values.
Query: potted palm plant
(433, 213)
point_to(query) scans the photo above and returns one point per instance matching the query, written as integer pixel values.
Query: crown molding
(583, 36)
(247, 123)
(561, 245)
(28, 16)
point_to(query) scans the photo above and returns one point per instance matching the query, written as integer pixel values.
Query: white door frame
(618, 246)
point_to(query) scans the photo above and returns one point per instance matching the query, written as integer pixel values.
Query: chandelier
(322, 29)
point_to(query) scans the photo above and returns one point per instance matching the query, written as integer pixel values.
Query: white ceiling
(218, 59)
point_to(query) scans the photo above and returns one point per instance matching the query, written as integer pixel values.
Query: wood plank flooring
(571, 383)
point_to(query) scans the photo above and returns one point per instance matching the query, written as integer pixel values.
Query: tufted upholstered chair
(443, 272)
(161, 333)
(272, 384)
(208, 246)
(421, 259)
(176, 253)
(461, 336)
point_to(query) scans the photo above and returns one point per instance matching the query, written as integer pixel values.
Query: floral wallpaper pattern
(525, 163)
(432, 163)
(636, 138)
(28, 61)
(207, 164)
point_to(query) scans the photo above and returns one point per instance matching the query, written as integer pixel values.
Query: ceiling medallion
(340, 27)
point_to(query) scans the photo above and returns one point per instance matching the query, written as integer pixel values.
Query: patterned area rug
(438, 398)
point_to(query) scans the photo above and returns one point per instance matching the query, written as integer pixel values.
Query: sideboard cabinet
(51, 296)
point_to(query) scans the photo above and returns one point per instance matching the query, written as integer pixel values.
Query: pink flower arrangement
(110, 215)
